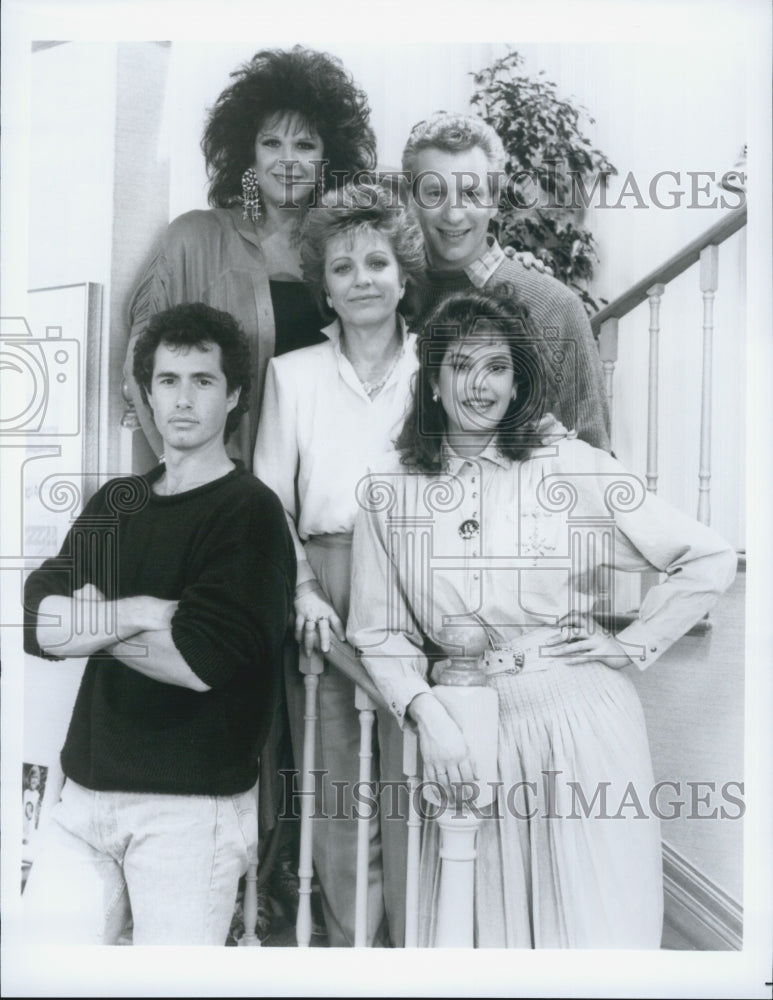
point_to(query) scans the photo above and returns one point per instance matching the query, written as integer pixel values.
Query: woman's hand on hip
(584, 640)
(315, 616)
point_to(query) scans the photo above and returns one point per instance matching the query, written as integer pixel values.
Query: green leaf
(536, 125)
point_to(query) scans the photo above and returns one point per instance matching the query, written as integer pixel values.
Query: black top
(224, 552)
(435, 286)
(296, 318)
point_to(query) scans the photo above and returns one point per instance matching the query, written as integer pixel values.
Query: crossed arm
(135, 630)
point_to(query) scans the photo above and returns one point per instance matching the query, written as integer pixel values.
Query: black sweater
(223, 550)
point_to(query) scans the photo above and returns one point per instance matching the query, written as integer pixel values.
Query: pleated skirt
(572, 858)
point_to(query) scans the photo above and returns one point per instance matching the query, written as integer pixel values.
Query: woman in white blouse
(329, 413)
(482, 540)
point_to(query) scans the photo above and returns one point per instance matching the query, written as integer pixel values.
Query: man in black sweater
(177, 585)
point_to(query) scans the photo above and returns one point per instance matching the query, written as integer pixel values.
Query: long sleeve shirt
(544, 526)
(320, 432)
(221, 550)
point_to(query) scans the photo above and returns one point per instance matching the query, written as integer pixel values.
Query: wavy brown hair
(460, 315)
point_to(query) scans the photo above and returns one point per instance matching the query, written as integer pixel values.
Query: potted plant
(552, 169)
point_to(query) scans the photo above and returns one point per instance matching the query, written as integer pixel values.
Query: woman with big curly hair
(291, 126)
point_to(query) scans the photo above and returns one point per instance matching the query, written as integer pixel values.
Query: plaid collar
(481, 269)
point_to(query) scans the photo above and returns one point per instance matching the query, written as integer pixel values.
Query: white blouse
(320, 432)
(518, 544)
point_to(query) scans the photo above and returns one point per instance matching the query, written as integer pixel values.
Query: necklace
(372, 386)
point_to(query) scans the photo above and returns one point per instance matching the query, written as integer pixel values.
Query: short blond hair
(454, 132)
(358, 206)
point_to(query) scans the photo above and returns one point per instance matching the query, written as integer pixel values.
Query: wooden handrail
(674, 266)
(343, 658)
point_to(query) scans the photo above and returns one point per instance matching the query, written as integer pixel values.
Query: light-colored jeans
(166, 865)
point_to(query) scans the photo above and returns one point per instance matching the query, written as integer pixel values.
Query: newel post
(475, 709)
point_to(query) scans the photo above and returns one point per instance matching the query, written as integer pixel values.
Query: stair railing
(704, 249)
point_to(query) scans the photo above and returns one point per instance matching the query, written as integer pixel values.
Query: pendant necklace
(371, 387)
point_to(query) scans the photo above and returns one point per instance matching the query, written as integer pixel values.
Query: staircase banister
(688, 255)
(343, 658)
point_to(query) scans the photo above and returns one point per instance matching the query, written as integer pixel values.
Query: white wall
(72, 131)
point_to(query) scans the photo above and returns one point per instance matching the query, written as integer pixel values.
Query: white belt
(521, 655)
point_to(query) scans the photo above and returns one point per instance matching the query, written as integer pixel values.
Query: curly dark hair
(196, 324)
(313, 85)
(366, 204)
(457, 316)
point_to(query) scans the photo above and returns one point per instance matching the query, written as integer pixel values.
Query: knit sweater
(573, 366)
(221, 550)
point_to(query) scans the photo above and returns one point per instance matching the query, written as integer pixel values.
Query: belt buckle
(518, 658)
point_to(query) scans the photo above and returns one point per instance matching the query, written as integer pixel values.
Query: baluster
(366, 708)
(651, 577)
(311, 667)
(410, 770)
(250, 907)
(605, 581)
(709, 275)
(608, 355)
(608, 338)
(653, 294)
(250, 903)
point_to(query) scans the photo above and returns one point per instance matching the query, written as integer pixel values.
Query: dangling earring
(250, 195)
(320, 184)
(435, 396)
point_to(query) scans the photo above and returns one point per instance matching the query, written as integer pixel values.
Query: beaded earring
(250, 195)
